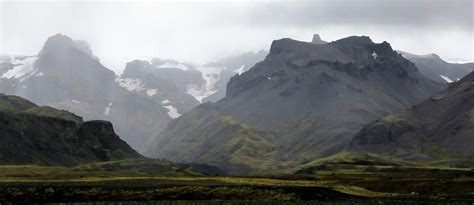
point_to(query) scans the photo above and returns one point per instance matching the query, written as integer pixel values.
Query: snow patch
(174, 65)
(39, 74)
(165, 101)
(23, 69)
(151, 92)
(446, 78)
(374, 55)
(107, 109)
(131, 84)
(76, 101)
(172, 111)
(240, 70)
(209, 75)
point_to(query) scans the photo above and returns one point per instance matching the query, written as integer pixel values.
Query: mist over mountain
(140, 102)
(305, 100)
(228, 67)
(165, 82)
(237, 102)
(67, 76)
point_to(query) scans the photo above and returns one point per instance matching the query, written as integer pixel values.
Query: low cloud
(203, 31)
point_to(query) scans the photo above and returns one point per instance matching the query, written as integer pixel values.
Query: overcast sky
(198, 31)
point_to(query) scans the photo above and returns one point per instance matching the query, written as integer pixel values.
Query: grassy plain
(328, 183)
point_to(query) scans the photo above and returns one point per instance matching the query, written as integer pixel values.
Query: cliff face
(46, 136)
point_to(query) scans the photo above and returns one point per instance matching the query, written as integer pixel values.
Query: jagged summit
(317, 39)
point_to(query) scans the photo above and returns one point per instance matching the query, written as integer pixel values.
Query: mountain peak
(355, 41)
(59, 43)
(57, 40)
(317, 39)
(288, 45)
(59, 36)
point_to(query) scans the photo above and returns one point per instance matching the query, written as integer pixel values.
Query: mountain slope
(46, 136)
(303, 101)
(440, 128)
(435, 68)
(66, 75)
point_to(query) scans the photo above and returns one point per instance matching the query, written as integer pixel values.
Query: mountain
(164, 81)
(435, 68)
(66, 75)
(46, 136)
(179, 87)
(218, 73)
(304, 101)
(438, 129)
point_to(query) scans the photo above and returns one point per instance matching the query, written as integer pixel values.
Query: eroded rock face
(33, 136)
(441, 127)
(303, 101)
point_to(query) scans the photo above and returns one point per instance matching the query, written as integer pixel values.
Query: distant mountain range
(258, 112)
(140, 102)
(164, 82)
(304, 101)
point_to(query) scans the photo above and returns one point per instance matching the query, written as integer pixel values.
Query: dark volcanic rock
(303, 101)
(31, 137)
